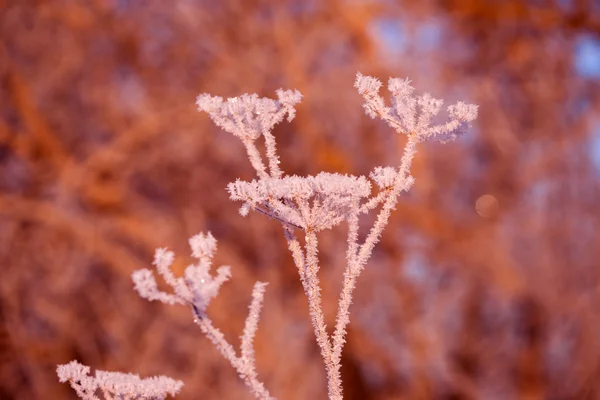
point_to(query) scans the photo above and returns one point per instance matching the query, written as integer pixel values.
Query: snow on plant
(304, 205)
(115, 385)
(197, 289)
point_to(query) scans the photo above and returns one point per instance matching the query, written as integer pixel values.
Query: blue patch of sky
(429, 35)
(390, 35)
(394, 38)
(415, 268)
(587, 56)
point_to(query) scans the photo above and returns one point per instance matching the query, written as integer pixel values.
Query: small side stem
(245, 371)
(356, 261)
(255, 158)
(272, 154)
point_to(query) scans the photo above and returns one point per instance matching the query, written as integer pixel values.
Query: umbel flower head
(116, 384)
(412, 115)
(249, 116)
(316, 202)
(198, 287)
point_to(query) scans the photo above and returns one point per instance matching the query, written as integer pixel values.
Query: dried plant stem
(402, 183)
(272, 215)
(357, 256)
(374, 201)
(247, 371)
(308, 268)
(297, 254)
(317, 317)
(274, 169)
(255, 158)
(357, 260)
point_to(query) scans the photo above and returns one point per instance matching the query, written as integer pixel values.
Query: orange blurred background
(485, 284)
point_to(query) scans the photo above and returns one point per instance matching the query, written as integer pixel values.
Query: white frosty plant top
(333, 197)
(323, 201)
(116, 384)
(411, 114)
(249, 116)
(197, 287)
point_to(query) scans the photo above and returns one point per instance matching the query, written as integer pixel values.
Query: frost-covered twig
(248, 117)
(197, 289)
(245, 365)
(412, 115)
(115, 385)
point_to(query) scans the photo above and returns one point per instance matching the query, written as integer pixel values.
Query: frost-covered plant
(196, 289)
(306, 204)
(115, 385)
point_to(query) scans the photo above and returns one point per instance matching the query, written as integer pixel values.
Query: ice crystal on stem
(384, 177)
(197, 289)
(115, 385)
(316, 202)
(410, 114)
(248, 117)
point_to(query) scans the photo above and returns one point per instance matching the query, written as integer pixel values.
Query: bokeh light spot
(487, 206)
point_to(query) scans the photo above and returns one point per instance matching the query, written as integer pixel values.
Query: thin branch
(271, 215)
(255, 158)
(271, 149)
(245, 371)
(317, 317)
(251, 324)
(356, 264)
